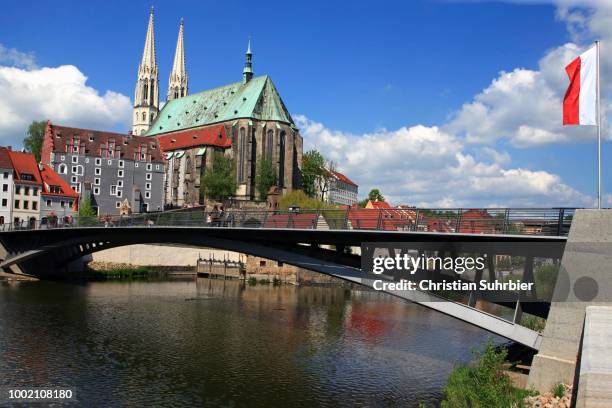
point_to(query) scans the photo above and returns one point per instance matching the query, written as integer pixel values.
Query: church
(246, 120)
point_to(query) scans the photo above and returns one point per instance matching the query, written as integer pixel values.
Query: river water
(188, 342)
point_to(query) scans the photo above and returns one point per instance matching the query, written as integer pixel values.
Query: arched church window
(152, 98)
(176, 93)
(62, 169)
(241, 154)
(281, 159)
(144, 116)
(270, 144)
(145, 92)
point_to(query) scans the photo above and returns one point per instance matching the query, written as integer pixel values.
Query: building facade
(6, 192)
(58, 201)
(106, 167)
(341, 191)
(26, 191)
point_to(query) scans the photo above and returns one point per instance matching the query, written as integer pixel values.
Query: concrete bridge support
(585, 279)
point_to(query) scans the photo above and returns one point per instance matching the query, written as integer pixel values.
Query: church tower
(146, 96)
(178, 83)
(247, 72)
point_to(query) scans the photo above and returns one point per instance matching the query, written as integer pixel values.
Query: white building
(341, 191)
(6, 191)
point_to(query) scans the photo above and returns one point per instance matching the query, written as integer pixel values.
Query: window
(49, 203)
(26, 205)
(120, 162)
(147, 194)
(34, 191)
(5, 187)
(110, 162)
(73, 179)
(5, 174)
(149, 176)
(241, 154)
(75, 169)
(157, 167)
(4, 202)
(75, 159)
(269, 143)
(34, 205)
(87, 160)
(17, 189)
(98, 161)
(63, 158)
(119, 183)
(16, 203)
(26, 190)
(113, 190)
(98, 171)
(262, 263)
(119, 193)
(62, 204)
(135, 164)
(148, 186)
(97, 181)
(117, 204)
(149, 167)
(96, 190)
(119, 173)
(76, 187)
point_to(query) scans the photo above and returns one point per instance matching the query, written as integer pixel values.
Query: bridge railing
(515, 221)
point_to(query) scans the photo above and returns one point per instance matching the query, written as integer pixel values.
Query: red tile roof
(378, 204)
(343, 178)
(5, 159)
(95, 143)
(205, 136)
(391, 219)
(51, 178)
(25, 164)
(305, 221)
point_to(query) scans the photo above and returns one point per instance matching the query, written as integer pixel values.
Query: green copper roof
(257, 99)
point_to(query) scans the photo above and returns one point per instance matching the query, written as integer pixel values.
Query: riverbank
(109, 271)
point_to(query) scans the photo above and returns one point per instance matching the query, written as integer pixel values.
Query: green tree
(375, 195)
(315, 173)
(265, 178)
(87, 215)
(34, 141)
(219, 182)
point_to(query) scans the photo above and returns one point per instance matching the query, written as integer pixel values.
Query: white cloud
(13, 57)
(426, 166)
(57, 93)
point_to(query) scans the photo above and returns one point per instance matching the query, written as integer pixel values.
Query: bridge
(324, 241)
(577, 243)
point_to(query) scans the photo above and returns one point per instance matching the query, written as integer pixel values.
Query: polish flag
(580, 102)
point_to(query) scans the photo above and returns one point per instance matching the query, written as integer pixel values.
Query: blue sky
(356, 70)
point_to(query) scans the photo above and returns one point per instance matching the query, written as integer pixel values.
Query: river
(188, 342)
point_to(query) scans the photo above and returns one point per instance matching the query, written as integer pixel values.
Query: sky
(441, 103)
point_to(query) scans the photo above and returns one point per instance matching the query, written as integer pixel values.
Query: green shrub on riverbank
(482, 383)
(120, 273)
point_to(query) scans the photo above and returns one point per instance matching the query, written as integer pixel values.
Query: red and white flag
(580, 102)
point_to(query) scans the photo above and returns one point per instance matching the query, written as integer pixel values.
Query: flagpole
(598, 131)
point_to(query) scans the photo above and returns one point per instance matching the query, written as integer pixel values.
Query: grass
(483, 383)
(559, 391)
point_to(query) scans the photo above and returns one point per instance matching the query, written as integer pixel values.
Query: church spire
(247, 72)
(178, 83)
(146, 96)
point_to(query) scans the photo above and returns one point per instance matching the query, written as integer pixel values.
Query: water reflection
(212, 342)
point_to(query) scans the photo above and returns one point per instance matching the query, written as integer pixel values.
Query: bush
(559, 390)
(298, 198)
(482, 383)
